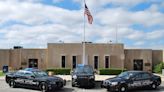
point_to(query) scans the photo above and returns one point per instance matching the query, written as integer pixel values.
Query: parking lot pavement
(68, 88)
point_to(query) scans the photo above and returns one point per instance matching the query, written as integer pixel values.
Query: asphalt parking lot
(68, 88)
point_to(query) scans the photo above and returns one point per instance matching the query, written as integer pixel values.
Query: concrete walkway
(97, 77)
(2, 77)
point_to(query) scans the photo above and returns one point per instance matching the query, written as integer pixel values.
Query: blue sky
(34, 23)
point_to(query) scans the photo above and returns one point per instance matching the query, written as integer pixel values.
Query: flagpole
(84, 37)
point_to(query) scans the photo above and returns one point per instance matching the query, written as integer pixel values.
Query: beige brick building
(68, 55)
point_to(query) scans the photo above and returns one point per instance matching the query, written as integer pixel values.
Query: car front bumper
(84, 82)
(109, 87)
(57, 85)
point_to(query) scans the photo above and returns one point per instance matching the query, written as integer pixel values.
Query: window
(63, 61)
(138, 64)
(73, 61)
(106, 61)
(145, 76)
(138, 77)
(95, 62)
(28, 74)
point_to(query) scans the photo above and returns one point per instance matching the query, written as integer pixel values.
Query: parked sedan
(131, 79)
(34, 78)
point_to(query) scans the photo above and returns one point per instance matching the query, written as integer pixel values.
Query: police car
(131, 79)
(34, 78)
(83, 75)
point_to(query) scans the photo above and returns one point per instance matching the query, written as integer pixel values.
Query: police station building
(68, 55)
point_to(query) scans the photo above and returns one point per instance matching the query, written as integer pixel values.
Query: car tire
(158, 82)
(93, 85)
(12, 83)
(43, 87)
(73, 85)
(123, 88)
(154, 85)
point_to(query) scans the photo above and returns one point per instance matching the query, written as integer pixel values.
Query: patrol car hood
(116, 79)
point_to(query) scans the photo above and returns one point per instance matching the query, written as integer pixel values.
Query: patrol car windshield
(40, 74)
(125, 75)
(84, 69)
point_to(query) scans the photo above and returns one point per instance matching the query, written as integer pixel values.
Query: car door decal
(135, 84)
(30, 82)
(19, 80)
(146, 82)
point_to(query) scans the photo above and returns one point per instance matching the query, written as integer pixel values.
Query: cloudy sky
(34, 23)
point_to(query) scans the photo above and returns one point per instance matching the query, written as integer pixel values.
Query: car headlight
(74, 77)
(114, 83)
(92, 77)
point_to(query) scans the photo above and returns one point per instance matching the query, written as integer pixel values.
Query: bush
(1, 73)
(110, 71)
(158, 68)
(61, 71)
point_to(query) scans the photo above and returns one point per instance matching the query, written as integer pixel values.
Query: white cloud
(51, 24)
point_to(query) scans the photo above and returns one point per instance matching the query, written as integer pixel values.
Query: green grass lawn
(1, 73)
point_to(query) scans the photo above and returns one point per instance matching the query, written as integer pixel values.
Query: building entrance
(138, 64)
(33, 63)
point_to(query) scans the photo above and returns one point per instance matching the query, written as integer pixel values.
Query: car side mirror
(95, 71)
(133, 78)
(71, 72)
(32, 76)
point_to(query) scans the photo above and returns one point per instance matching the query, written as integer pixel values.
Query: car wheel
(43, 87)
(93, 85)
(12, 84)
(158, 82)
(123, 88)
(73, 85)
(154, 86)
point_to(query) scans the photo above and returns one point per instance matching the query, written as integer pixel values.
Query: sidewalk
(97, 77)
(2, 77)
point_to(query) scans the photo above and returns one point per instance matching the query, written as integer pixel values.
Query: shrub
(110, 71)
(1, 73)
(61, 71)
(158, 68)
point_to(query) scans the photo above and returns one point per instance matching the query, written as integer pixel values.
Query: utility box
(5, 69)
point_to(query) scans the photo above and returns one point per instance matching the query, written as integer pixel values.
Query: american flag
(87, 12)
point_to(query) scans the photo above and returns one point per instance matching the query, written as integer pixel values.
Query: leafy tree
(158, 68)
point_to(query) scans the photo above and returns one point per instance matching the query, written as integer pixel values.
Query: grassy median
(1, 73)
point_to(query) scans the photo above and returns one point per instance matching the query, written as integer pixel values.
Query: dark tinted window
(106, 61)
(145, 75)
(125, 75)
(63, 61)
(28, 74)
(84, 69)
(138, 76)
(40, 74)
(95, 62)
(19, 73)
(74, 62)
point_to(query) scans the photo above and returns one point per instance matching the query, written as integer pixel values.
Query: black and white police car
(34, 78)
(83, 75)
(130, 80)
